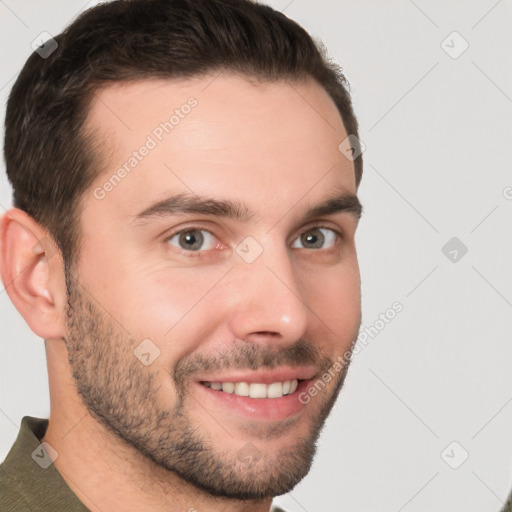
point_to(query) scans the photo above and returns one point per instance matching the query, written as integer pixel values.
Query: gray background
(437, 131)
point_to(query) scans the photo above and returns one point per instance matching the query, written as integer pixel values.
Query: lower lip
(260, 408)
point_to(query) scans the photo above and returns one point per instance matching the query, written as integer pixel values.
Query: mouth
(256, 389)
(264, 396)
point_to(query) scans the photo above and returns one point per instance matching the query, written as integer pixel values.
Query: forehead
(216, 135)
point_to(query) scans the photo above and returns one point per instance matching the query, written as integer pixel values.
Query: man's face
(168, 302)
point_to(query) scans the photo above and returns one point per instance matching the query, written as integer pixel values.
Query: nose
(269, 300)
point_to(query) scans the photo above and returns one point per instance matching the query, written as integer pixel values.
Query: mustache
(251, 356)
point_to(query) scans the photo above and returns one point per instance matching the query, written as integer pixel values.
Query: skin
(118, 425)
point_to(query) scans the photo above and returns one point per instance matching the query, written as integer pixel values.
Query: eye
(193, 239)
(317, 238)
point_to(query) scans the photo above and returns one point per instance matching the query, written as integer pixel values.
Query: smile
(255, 389)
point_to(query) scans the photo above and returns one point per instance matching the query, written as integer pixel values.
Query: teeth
(256, 389)
(228, 387)
(275, 390)
(242, 389)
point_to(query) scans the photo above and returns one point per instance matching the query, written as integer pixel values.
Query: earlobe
(32, 273)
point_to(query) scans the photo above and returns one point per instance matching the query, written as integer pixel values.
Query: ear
(32, 272)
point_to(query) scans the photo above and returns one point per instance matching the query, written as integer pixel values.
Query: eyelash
(202, 253)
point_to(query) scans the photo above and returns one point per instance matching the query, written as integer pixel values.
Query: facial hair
(122, 394)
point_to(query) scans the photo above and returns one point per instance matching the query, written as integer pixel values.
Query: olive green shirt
(508, 506)
(29, 482)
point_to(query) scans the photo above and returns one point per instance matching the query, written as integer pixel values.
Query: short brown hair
(50, 157)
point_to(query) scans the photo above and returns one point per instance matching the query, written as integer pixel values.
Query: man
(185, 180)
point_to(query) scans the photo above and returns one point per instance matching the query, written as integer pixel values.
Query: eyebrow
(185, 203)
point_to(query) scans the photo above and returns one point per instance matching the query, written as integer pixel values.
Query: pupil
(192, 241)
(314, 239)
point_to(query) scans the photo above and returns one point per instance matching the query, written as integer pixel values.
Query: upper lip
(263, 376)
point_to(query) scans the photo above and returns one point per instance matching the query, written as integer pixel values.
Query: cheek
(335, 296)
(166, 305)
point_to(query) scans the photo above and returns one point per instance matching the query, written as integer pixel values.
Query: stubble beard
(124, 396)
